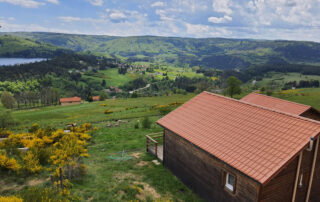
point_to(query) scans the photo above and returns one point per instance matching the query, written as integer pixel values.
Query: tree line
(29, 99)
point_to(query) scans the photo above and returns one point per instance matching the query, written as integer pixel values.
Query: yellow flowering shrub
(31, 163)
(10, 199)
(108, 111)
(9, 163)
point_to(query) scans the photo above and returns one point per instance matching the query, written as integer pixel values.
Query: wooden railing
(154, 144)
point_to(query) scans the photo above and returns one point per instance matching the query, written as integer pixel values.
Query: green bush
(6, 119)
(108, 111)
(39, 194)
(165, 110)
(136, 126)
(146, 123)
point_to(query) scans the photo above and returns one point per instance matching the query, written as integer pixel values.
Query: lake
(15, 61)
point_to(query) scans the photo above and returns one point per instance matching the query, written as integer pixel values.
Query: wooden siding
(70, 103)
(280, 188)
(311, 114)
(315, 191)
(204, 173)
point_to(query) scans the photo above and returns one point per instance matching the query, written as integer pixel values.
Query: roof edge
(265, 108)
(275, 98)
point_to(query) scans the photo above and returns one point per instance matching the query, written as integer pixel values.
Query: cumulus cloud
(285, 12)
(96, 2)
(197, 30)
(53, 1)
(222, 6)
(117, 15)
(69, 18)
(24, 3)
(158, 4)
(220, 20)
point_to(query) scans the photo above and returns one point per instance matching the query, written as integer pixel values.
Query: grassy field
(308, 96)
(279, 79)
(111, 180)
(135, 179)
(112, 77)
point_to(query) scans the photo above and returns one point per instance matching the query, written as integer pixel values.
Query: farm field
(137, 178)
(112, 77)
(279, 79)
(308, 96)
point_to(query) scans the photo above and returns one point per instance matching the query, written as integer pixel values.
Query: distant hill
(13, 46)
(207, 52)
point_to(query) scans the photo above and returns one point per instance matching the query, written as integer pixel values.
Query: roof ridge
(275, 98)
(265, 108)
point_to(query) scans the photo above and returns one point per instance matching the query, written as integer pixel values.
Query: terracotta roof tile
(257, 141)
(95, 98)
(276, 103)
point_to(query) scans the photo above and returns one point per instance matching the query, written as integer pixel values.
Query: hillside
(12, 46)
(207, 52)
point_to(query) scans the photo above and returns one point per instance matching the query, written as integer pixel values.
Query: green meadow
(109, 177)
(278, 79)
(106, 179)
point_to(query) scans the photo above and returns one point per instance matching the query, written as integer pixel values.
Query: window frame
(229, 187)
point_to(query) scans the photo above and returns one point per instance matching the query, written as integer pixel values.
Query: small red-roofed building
(70, 101)
(230, 150)
(95, 98)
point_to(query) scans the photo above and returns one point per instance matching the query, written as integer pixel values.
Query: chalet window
(230, 182)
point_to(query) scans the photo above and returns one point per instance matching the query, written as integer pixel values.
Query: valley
(141, 79)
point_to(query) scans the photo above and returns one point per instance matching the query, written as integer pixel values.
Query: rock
(156, 162)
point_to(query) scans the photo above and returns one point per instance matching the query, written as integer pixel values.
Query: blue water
(16, 61)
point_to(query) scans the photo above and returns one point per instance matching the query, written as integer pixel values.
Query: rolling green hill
(208, 52)
(12, 46)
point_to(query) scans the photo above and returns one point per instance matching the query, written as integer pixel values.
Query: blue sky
(259, 19)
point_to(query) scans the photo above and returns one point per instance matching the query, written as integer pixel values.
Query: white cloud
(222, 6)
(53, 1)
(191, 5)
(158, 4)
(285, 12)
(24, 3)
(69, 18)
(117, 15)
(199, 30)
(96, 2)
(223, 19)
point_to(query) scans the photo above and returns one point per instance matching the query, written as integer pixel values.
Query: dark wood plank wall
(315, 191)
(311, 114)
(306, 165)
(204, 173)
(280, 188)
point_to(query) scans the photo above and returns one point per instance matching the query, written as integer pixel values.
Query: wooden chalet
(70, 101)
(232, 150)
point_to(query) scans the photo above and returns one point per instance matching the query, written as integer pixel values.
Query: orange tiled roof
(276, 103)
(95, 98)
(70, 99)
(257, 141)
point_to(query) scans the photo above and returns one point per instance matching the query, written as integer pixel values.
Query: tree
(146, 123)
(6, 119)
(103, 96)
(89, 97)
(104, 83)
(8, 100)
(233, 86)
